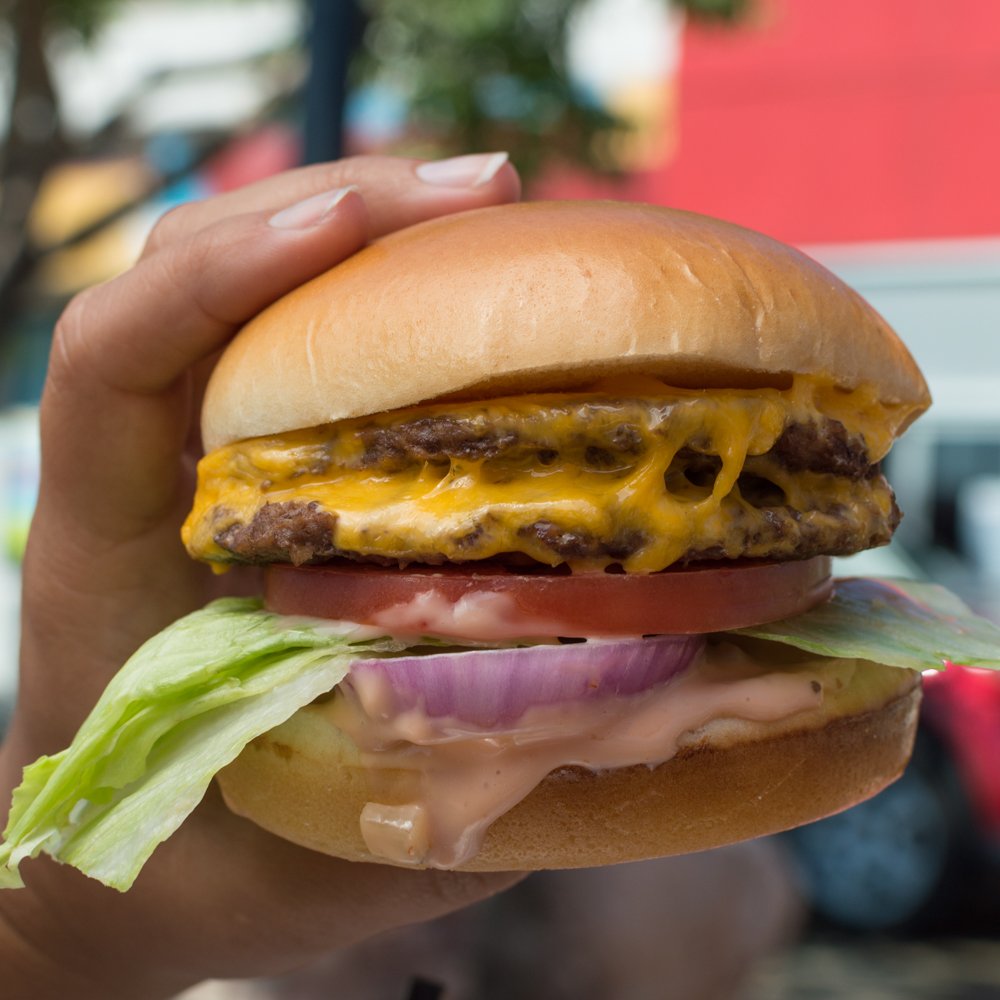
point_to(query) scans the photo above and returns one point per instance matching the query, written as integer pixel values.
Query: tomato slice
(493, 603)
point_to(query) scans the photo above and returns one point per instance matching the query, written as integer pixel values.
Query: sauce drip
(438, 783)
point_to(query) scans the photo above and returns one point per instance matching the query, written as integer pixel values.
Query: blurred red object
(254, 156)
(833, 121)
(962, 705)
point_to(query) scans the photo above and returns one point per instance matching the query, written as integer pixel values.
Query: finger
(303, 902)
(241, 903)
(142, 331)
(399, 192)
(298, 903)
(114, 413)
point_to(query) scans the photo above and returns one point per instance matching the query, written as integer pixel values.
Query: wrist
(51, 947)
(46, 954)
(30, 972)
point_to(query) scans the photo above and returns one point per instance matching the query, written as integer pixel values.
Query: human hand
(105, 569)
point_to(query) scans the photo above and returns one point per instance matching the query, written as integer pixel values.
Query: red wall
(840, 120)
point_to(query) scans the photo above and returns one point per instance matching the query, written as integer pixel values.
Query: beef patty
(848, 506)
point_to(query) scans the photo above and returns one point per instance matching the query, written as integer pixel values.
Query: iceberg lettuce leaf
(903, 623)
(180, 709)
(192, 697)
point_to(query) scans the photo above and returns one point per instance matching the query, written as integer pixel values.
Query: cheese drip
(588, 480)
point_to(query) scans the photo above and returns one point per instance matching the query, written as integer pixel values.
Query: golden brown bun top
(549, 296)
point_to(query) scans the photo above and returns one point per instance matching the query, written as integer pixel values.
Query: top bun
(549, 296)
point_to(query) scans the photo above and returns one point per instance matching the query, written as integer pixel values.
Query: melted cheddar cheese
(589, 480)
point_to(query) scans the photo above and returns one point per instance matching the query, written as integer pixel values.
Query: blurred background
(866, 133)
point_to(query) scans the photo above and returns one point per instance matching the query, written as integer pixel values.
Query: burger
(546, 496)
(561, 421)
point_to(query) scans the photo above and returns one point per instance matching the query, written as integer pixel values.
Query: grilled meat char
(301, 532)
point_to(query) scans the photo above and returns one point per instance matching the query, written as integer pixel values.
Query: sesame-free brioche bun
(730, 781)
(548, 296)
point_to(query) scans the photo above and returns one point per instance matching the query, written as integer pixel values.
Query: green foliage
(475, 74)
(491, 74)
(727, 10)
(483, 75)
(84, 16)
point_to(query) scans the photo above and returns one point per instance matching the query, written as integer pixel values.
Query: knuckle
(193, 265)
(69, 338)
(353, 169)
(168, 228)
(197, 253)
(178, 265)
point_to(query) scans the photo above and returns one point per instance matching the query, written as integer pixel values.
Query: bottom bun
(305, 783)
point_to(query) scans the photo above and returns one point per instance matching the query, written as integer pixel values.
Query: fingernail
(311, 211)
(462, 171)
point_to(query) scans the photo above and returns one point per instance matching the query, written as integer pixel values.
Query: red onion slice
(490, 688)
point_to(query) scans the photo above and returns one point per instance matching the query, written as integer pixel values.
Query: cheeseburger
(546, 495)
(549, 421)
